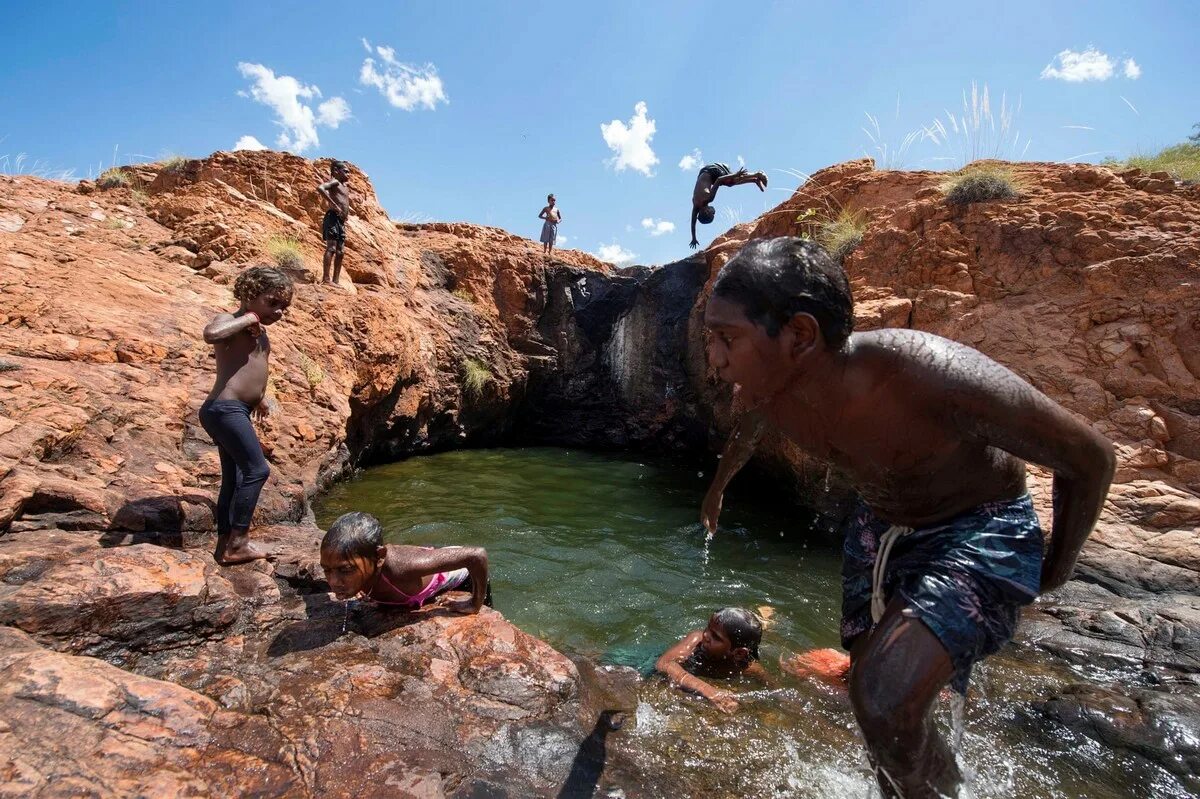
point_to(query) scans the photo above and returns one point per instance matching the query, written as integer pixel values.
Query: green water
(604, 556)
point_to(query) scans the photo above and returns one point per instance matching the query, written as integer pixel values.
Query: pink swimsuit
(442, 581)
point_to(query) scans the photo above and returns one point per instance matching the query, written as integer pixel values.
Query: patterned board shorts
(966, 579)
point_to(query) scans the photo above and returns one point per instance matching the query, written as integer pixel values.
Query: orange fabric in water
(830, 666)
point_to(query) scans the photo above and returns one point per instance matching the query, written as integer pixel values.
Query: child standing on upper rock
(552, 216)
(333, 226)
(242, 349)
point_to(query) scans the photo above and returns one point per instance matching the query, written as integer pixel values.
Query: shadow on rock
(589, 761)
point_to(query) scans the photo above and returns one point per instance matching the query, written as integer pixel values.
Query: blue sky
(492, 106)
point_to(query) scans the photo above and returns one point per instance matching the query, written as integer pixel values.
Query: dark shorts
(966, 579)
(333, 229)
(715, 171)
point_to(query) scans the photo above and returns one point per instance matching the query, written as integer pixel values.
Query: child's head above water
(352, 552)
(776, 303)
(732, 634)
(264, 290)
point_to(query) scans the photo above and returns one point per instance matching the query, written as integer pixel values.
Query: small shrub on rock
(476, 375)
(287, 252)
(314, 375)
(173, 163)
(113, 178)
(8, 366)
(841, 235)
(980, 184)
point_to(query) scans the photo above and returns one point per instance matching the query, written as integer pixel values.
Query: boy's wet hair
(775, 279)
(335, 164)
(743, 628)
(259, 280)
(706, 214)
(354, 535)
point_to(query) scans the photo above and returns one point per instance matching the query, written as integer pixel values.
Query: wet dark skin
(705, 191)
(924, 429)
(409, 569)
(337, 194)
(720, 659)
(243, 350)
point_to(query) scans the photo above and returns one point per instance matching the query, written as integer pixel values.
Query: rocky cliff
(136, 664)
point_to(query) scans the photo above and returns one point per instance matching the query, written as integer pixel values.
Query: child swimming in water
(727, 647)
(356, 561)
(242, 349)
(945, 547)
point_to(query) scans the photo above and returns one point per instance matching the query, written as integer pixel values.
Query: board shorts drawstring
(878, 600)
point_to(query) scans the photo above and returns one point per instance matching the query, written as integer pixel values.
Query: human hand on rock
(464, 606)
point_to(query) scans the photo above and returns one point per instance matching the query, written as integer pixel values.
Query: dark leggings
(244, 470)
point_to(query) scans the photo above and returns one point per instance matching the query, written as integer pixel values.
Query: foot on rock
(236, 549)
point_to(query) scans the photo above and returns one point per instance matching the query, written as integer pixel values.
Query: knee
(885, 725)
(257, 473)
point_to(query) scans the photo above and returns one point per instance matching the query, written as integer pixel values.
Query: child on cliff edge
(242, 350)
(945, 547)
(333, 226)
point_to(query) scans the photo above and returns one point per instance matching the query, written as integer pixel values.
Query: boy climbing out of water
(945, 547)
(711, 178)
(727, 647)
(333, 227)
(552, 216)
(356, 561)
(242, 350)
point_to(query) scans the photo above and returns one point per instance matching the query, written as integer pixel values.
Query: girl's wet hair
(775, 279)
(259, 280)
(354, 535)
(743, 628)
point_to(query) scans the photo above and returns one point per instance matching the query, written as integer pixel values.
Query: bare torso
(704, 191)
(899, 440)
(241, 368)
(550, 214)
(341, 198)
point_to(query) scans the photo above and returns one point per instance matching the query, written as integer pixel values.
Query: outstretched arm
(1012, 415)
(473, 559)
(671, 664)
(737, 453)
(695, 214)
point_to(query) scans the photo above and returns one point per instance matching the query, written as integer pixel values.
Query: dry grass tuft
(286, 251)
(476, 375)
(981, 183)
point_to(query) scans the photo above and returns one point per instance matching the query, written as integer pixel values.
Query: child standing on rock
(333, 226)
(242, 349)
(552, 216)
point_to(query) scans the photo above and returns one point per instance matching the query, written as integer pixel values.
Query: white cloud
(405, 86)
(250, 143)
(1132, 70)
(615, 253)
(658, 227)
(1075, 67)
(561, 241)
(693, 160)
(333, 112)
(631, 143)
(283, 94)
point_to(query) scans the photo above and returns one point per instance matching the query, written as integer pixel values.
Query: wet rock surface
(1159, 725)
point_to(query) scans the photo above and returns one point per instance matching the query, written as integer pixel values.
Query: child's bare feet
(236, 548)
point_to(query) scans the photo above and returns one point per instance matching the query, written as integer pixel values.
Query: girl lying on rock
(727, 647)
(357, 562)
